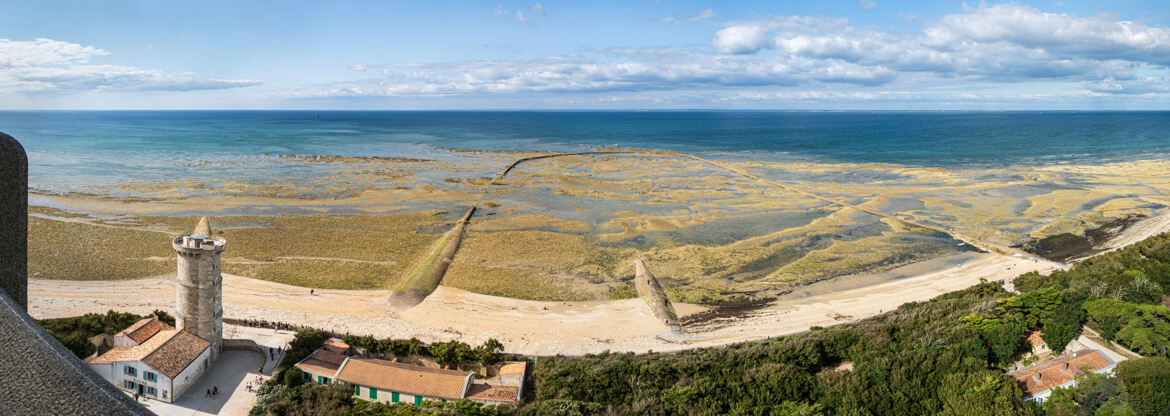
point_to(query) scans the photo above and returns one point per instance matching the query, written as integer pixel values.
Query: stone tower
(199, 307)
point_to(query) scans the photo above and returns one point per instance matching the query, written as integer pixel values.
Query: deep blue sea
(103, 146)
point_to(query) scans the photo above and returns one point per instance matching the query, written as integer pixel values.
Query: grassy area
(384, 251)
(520, 284)
(258, 246)
(75, 251)
(423, 277)
(74, 332)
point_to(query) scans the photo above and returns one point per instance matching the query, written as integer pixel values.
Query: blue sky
(861, 54)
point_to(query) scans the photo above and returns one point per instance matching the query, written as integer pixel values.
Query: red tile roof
(169, 351)
(513, 368)
(144, 329)
(175, 355)
(336, 345)
(493, 393)
(1053, 373)
(137, 352)
(405, 378)
(1035, 338)
(321, 362)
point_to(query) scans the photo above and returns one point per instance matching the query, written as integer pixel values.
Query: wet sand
(839, 247)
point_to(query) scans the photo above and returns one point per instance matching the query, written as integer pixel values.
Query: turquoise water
(67, 149)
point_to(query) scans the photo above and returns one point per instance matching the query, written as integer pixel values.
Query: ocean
(70, 149)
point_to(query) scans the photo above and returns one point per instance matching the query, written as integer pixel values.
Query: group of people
(212, 392)
(259, 323)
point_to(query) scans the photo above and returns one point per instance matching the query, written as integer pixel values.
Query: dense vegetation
(286, 394)
(451, 354)
(1121, 295)
(945, 356)
(74, 333)
(1141, 387)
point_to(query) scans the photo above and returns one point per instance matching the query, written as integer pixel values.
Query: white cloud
(537, 8)
(627, 69)
(500, 11)
(973, 55)
(51, 66)
(701, 15)
(1096, 37)
(1003, 42)
(520, 17)
(742, 40)
(868, 4)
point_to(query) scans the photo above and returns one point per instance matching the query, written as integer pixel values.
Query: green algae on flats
(77, 251)
(427, 276)
(521, 283)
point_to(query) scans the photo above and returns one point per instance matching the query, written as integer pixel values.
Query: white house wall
(191, 374)
(115, 373)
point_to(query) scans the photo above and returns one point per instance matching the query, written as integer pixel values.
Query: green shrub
(294, 377)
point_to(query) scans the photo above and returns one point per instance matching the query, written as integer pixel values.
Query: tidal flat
(570, 228)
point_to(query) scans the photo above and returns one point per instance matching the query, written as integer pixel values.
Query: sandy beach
(709, 232)
(527, 327)
(544, 328)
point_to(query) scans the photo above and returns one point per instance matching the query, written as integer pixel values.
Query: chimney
(1036, 377)
(1066, 366)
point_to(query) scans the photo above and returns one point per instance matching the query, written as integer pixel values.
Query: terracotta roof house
(155, 360)
(487, 393)
(393, 382)
(1036, 340)
(321, 366)
(517, 367)
(1038, 380)
(336, 345)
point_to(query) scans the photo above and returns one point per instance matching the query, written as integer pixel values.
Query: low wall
(246, 345)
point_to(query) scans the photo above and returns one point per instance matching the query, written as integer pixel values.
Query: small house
(154, 360)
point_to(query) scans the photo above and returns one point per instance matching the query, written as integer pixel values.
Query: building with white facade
(388, 381)
(154, 360)
(1038, 380)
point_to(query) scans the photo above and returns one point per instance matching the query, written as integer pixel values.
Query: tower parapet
(199, 303)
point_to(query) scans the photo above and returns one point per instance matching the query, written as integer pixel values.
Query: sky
(633, 54)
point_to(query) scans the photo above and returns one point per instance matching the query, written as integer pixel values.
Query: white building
(393, 382)
(154, 360)
(1038, 380)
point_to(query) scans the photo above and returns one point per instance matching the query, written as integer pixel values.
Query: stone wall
(246, 345)
(41, 377)
(199, 293)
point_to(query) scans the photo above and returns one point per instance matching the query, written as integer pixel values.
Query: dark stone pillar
(40, 377)
(13, 220)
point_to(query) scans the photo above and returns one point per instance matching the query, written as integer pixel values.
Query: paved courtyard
(230, 374)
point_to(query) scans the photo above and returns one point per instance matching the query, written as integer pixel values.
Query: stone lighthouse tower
(199, 307)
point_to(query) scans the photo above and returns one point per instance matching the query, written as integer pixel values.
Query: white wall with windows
(137, 377)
